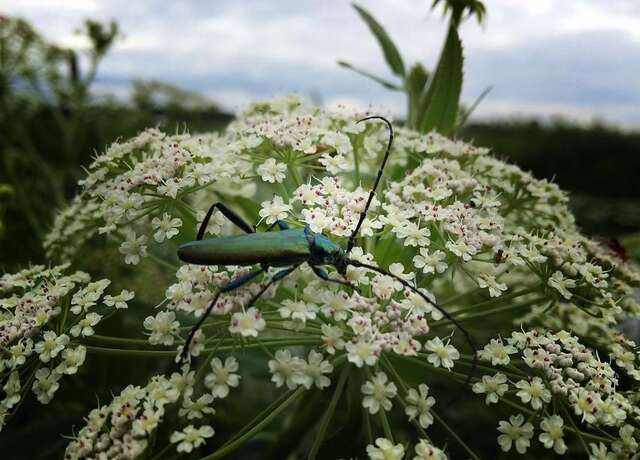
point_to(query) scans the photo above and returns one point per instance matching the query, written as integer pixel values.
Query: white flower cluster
(121, 429)
(559, 369)
(43, 315)
(487, 239)
(387, 450)
(130, 187)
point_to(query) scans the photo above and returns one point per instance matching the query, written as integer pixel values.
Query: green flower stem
(197, 188)
(162, 453)
(452, 432)
(356, 162)
(460, 296)
(368, 431)
(67, 305)
(164, 263)
(117, 340)
(167, 353)
(385, 425)
(295, 175)
(467, 362)
(491, 312)
(386, 363)
(257, 425)
(324, 423)
(496, 300)
(186, 211)
(306, 331)
(206, 325)
(451, 374)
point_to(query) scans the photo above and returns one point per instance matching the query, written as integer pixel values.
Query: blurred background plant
(51, 124)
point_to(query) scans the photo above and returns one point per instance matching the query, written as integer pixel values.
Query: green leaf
(391, 53)
(414, 84)
(386, 83)
(439, 106)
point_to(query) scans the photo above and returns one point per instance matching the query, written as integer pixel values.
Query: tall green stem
(272, 415)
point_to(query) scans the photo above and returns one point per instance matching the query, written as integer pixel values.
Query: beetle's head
(340, 261)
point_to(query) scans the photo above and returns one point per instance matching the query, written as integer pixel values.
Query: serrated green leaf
(391, 53)
(439, 106)
(386, 83)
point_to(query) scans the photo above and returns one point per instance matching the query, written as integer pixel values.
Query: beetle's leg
(229, 214)
(277, 277)
(230, 286)
(280, 223)
(325, 276)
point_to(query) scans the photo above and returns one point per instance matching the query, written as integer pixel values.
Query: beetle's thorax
(326, 252)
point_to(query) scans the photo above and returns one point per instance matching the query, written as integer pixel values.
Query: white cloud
(533, 52)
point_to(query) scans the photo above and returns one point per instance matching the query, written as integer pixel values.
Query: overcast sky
(576, 58)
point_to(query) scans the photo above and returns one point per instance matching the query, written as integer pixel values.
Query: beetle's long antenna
(375, 184)
(456, 323)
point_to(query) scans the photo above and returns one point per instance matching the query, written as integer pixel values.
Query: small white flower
(430, 263)
(167, 227)
(286, 369)
(419, 405)
(461, 249)
(533, 391)
(385, 450)
(412, 234)
(441, 354)
(378, 393)
(297, 310)
(600, 452)
(119, 301)
(314, 370)
(272, 171)
(133, 248)
(425, 451)
(46, 384)
(72, 359)
(191, 437)
(497, 352)
(514, 431)
(562, 284)
(12, 391)
(274, 210)
(332, 338)
(222, 376)
(163, 327)
(51, 345)
(489, 281)
(553, 431)
(198, 408)
(362, 352)
(248, 323)
(493, 386)
(84, 327)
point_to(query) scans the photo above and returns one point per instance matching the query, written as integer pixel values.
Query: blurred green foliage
(597, 164)
(51, 124)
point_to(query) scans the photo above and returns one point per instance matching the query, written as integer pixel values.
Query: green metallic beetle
(287, 248)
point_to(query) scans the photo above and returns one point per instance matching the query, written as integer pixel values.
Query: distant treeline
(598, 164)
